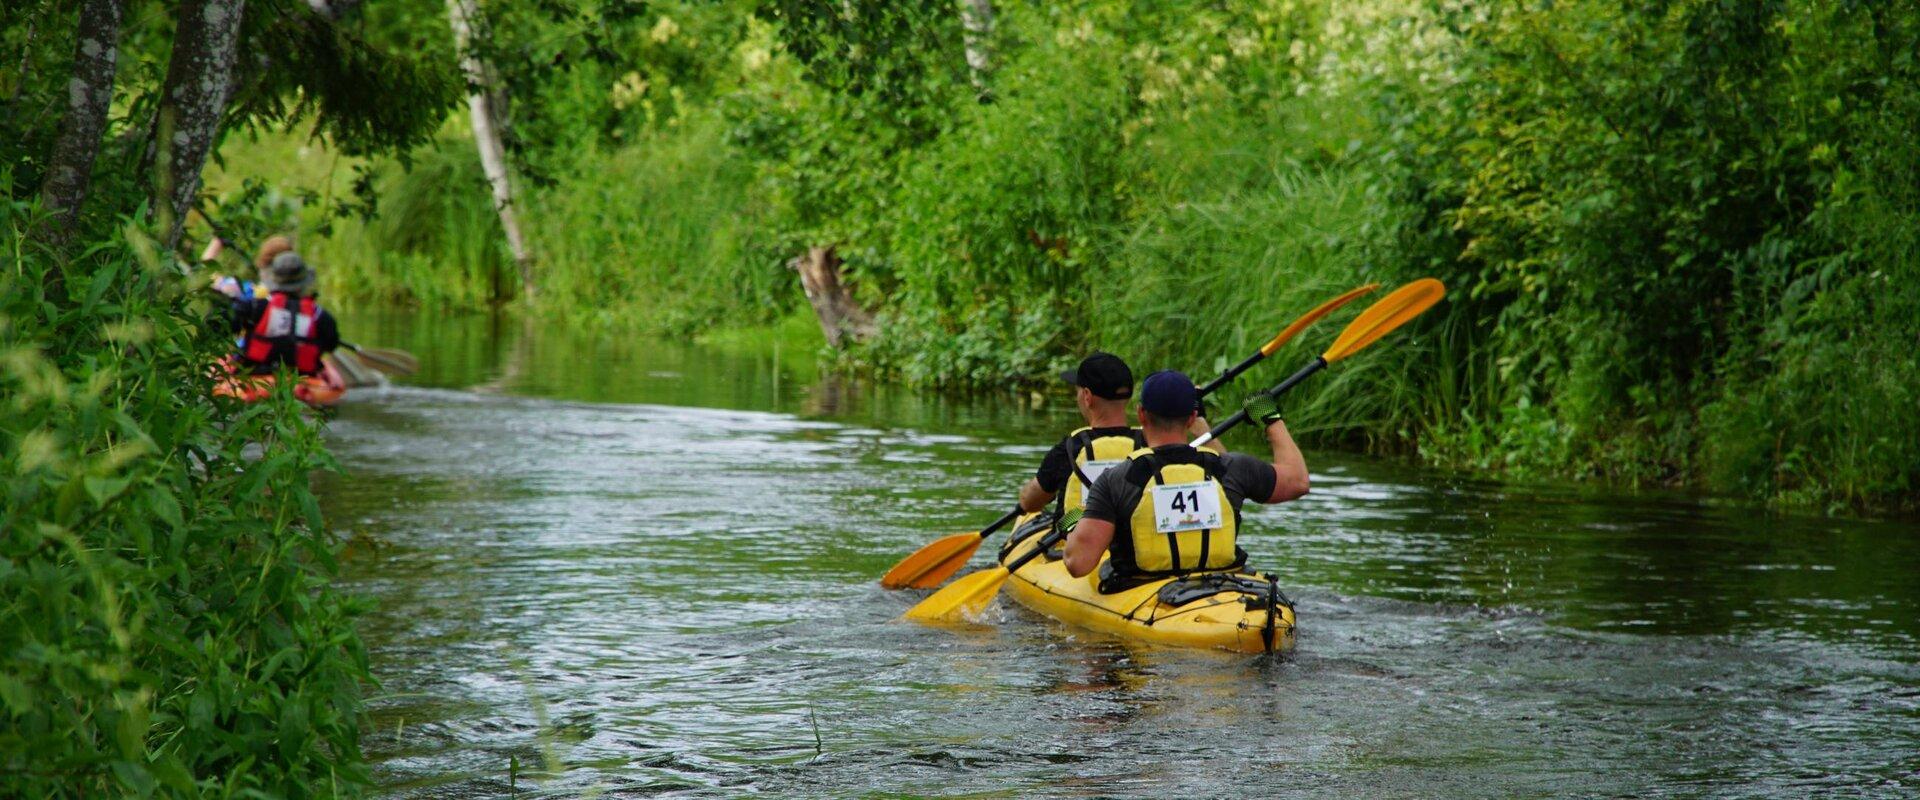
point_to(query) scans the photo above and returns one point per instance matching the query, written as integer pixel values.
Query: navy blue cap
(1169, 394)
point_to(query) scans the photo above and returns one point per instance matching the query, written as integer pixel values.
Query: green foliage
(668, 228)
(358, 86)
(1653, 217)
(1658, 219)
(365, 98)
(585, 74)
(436, 239)
(166, 621)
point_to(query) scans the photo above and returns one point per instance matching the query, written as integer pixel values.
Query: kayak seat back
(1258, 592)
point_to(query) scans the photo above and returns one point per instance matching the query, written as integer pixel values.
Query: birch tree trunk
(976, 22)
(486, 135)
(89, 96)
(199, 81)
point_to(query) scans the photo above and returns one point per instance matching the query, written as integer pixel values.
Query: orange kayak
(320, 391)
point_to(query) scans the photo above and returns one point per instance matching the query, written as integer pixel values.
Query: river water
(634, 568)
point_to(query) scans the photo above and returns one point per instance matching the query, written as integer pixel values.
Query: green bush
(1656, 220)
(166, 620)
(1653, 218)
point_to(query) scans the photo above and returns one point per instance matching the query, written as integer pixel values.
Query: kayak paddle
(1285, 336)
(938, 560)
(386, 359)
(1378, 320)
(353, 372)
(968, 596)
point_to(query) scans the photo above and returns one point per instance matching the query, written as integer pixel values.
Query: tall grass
(660, 235)
(435, 239)
(663, 234)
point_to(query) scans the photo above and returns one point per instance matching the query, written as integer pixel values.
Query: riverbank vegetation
(167, 620)
(1680, 236)
(166, 616)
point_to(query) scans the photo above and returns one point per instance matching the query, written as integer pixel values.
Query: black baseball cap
(1169, 394)
(1103, 374)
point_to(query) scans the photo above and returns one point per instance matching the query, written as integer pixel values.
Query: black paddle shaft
(1001, 522)
(1046, 543)
(1232, 372)
(1319, 363)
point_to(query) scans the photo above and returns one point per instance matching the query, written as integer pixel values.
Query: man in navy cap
(1171, 509)
(1103, 383)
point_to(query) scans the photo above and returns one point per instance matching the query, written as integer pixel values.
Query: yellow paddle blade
(963, 598)
(1383, 317)
(1314, 316)
(936, 562)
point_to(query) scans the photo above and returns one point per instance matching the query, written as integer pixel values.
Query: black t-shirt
(1112, 498)
(1057, 466)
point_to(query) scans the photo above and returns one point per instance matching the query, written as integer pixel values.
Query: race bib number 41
(1186, 506)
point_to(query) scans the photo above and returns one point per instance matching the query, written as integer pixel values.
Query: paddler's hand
(1069, 520)
(213, 249)
(1262, 408)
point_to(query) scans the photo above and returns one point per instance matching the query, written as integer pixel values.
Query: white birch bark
(976, 22)
(486, 135)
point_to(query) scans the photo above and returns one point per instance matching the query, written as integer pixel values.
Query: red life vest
(279, 328)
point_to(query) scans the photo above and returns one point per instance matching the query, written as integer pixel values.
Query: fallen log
(841, 319)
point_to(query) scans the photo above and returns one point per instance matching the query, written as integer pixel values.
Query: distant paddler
(1170, 509)
(281, 325)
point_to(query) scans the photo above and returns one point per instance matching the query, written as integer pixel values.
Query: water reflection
(647, 567)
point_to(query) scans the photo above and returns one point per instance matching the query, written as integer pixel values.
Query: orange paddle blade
(930, 565)
(962, 599)
(1314, 316)
(1383, 317)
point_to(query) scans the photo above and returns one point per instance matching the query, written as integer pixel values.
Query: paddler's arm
(1089, 539)
(1198, 425)
(1086, 544)
(326, 332)
(1034, 498)
(1290, 480)
(1054, 469)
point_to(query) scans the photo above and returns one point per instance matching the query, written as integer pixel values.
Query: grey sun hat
(288, 273)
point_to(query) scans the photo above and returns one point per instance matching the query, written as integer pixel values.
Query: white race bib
(1092, 470)
(279, 322)
(1186, 506)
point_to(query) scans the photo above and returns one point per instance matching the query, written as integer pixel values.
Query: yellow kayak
(1238, 611)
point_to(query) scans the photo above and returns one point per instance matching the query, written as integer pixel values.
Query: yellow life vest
(1183, 521)
(1091, 456)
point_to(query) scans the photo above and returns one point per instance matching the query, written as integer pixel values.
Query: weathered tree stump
(841, 319)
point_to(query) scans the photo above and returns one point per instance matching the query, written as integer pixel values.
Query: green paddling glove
(1262, 408)
(1069, 520)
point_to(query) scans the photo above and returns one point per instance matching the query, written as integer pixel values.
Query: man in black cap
(1104, 383)
(1172, 509)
